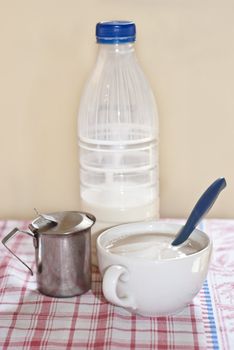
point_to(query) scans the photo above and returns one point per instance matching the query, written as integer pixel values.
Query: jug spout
(89, 220)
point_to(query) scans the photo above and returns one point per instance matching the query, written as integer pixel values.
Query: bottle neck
(106, 51)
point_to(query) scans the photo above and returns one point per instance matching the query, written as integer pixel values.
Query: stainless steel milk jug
(62, 242)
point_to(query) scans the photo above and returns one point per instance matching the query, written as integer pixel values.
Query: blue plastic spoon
(201, 208)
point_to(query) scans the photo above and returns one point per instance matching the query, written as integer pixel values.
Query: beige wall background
(186, 48)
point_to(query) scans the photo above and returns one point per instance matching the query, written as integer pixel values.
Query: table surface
(29, 320)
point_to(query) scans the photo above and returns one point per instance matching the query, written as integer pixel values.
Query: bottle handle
(9, 236)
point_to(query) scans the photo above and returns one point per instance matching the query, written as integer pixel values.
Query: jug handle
(9, 236)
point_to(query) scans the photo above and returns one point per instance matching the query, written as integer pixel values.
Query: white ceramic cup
(152, 287)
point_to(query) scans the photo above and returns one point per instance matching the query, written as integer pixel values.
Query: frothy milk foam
(151, 246)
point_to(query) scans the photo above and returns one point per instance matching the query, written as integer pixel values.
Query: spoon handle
(202, 206)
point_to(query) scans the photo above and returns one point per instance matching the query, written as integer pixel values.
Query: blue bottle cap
(116, 32)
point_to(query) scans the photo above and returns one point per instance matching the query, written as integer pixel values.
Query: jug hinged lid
(62, 223)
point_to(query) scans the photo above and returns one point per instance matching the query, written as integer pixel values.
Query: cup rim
(102, 249)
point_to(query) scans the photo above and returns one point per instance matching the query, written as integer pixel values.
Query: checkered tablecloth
(29, 320)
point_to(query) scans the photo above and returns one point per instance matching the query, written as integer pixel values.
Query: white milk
(151, 247)
(111, 207)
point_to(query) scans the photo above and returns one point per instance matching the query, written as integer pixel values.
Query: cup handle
(9, 236)
(111, 277)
